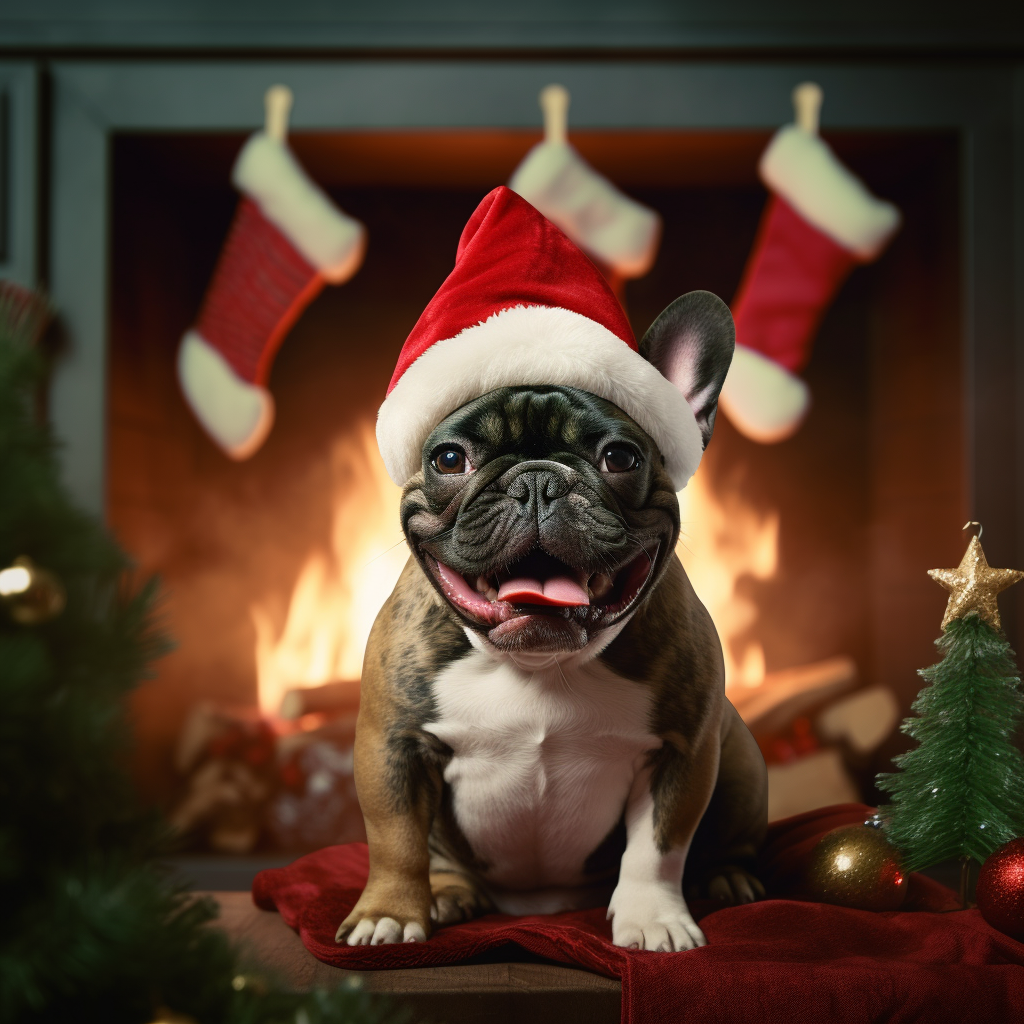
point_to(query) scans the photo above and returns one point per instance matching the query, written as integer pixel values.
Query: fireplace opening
(810, 554)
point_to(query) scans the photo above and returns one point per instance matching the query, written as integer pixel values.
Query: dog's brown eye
(619, 458)
(451, 460)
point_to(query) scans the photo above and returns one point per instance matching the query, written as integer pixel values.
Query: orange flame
(723, 540)
(341, 588)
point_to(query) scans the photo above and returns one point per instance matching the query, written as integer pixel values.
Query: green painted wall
(564, 25)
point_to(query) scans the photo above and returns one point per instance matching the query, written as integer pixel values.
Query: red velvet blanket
(777, 960)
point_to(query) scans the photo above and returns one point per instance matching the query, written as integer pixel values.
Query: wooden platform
(493, 992)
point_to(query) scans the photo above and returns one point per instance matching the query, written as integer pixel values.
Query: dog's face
(543, 515)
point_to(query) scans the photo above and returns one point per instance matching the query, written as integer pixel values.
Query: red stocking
(619, 234)
(820, 222)
(287, 240)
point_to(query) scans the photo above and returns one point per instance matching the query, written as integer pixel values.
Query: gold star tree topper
(973, 586)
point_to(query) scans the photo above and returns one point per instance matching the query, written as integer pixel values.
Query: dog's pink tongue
(557, 590)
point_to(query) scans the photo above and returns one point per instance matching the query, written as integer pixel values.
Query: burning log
(333, 699)
(817, 780)
(862, 721)
(785, 695)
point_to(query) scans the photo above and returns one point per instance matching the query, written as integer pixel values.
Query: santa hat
(524, 306)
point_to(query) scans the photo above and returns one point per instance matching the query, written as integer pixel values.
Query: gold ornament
(973, 586)
(855, 866)
(31, 595)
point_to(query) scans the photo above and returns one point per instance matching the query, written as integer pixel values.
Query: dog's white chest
(542, 762)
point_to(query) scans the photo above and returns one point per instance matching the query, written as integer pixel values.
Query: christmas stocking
(619, 234)
(286, 241)
(820, 222)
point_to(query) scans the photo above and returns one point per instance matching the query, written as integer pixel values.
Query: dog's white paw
(383, 932)
(650, 915)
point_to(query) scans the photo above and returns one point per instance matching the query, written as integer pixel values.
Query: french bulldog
(543, 722)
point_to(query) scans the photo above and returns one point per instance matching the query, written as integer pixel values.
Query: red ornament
(1000, 891)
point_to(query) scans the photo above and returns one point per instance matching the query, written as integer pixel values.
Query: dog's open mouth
(540, 584)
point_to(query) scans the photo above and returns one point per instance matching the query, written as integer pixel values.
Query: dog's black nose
(537, 488)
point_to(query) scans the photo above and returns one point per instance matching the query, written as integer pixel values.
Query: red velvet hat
(525, 306)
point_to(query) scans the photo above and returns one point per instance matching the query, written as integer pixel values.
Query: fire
(342, 586)
(723, 540)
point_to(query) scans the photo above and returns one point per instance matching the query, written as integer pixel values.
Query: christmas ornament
(524, 305)
(820, 222)
(287, 240)
(855, 866)
(974, 585)
(618, 232)
(31, 595)
(960, 791)
(1000, 891)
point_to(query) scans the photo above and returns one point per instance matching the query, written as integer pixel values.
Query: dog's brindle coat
(521, 756)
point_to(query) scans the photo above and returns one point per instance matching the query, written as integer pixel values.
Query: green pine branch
(89, 928)
(960, 791)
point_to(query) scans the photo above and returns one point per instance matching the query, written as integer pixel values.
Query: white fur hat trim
(588, 208)
(804, 171)
(539, 345)
(270, 175)
(236, 414)
(762, 399)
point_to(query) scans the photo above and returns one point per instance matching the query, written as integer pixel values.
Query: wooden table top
(498, 993)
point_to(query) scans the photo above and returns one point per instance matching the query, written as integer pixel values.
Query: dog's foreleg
(666, 801)
(395, 905)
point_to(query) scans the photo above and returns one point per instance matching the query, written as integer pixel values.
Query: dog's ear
(692, 343)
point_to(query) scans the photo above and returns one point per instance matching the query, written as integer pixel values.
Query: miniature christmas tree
(960, 792)
(89, 928)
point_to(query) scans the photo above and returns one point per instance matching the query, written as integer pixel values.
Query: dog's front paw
(370, 925)
(652, 916)
(456, 898)
(369, 931)
(735, 885)
(729, 884)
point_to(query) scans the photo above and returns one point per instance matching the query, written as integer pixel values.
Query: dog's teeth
(482, 585)
(491, 594)
(600, 585)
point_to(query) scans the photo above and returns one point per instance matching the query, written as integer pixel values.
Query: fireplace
(810, 554)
